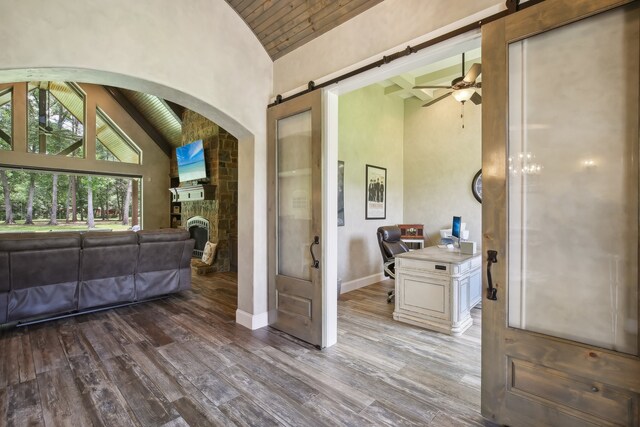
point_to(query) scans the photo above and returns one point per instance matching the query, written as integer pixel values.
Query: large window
(55, 116)
(55, 119)
(5, 120)
(112, 144)
(57, 201)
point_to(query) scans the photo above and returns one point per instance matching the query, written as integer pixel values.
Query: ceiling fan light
(462, 95)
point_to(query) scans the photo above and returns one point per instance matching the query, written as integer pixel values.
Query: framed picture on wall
(376, 192)
(340, 193)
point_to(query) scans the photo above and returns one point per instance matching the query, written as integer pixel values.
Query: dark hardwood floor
(183, 361)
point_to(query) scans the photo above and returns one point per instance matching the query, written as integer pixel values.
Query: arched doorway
(248, 275)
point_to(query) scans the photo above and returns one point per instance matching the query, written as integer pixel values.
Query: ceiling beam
(140, 119)
(444, 75)
(390, 90)
(406, 82)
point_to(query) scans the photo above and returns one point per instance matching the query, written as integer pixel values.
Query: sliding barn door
(560, 215)
(295, 217)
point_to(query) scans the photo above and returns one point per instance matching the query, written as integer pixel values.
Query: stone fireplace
(221, 212)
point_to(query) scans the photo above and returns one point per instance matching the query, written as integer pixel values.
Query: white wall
(370, 132)
(198, 53)
(387, 27)
(441, 159)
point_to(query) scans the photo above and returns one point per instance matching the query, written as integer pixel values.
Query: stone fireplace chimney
(221, 156)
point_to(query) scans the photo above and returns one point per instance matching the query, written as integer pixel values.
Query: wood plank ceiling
(284, 25)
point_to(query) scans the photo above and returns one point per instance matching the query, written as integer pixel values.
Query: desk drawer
(428, 266)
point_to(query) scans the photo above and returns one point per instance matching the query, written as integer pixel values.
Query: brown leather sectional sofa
(48, 274)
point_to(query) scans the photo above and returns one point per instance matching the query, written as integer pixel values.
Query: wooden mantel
(193, 192)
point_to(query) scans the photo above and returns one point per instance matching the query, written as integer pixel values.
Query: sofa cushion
(107, 269)
(36, 241)
(44, 267)
(108, 261)
(164, 235)
(115, 238)
(161, 254)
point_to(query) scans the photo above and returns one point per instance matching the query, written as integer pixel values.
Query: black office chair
(390, 246)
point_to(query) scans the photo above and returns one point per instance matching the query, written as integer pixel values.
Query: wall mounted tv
(191, 165)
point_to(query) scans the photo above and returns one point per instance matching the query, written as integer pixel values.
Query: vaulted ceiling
(284, 25)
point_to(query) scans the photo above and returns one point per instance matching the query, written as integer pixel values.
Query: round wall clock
(476, 186)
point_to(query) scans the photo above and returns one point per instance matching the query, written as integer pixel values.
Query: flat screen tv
(191, 164)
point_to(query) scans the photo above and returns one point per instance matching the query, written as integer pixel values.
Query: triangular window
(112, 144)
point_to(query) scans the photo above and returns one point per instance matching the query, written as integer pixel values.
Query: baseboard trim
(362, 282)
(252, 321)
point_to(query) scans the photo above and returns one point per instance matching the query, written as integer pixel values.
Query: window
(5, 120)
(112, 144)
(41, 200)
(55, 119)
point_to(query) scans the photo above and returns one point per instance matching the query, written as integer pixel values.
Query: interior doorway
(420, 149)
(391, 152)
(430, 157)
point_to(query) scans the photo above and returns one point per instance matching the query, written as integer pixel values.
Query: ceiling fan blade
(432, 87)
(433, 101)
(476, 98)
(473, 73)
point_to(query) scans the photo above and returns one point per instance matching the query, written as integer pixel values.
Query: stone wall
(221, 154)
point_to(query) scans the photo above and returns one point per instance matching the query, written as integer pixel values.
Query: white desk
(436, 289)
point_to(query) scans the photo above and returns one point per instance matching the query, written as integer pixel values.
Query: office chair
(390, 246)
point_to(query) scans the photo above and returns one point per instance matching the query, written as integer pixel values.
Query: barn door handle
(492, 258)
(316, 241)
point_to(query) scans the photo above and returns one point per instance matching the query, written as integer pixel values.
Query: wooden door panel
(577, 359)
(532, 413)
(595, 400)
(295, 283)
(529, 377)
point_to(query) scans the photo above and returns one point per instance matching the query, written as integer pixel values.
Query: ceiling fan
(463, 88)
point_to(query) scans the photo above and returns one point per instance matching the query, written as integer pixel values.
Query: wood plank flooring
(183, 361)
